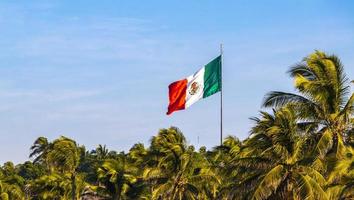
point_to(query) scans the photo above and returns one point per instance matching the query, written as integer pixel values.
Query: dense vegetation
(302, 149)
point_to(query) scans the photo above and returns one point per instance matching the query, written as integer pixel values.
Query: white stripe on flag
(195, 87)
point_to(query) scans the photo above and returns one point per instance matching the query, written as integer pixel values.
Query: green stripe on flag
(212, 77)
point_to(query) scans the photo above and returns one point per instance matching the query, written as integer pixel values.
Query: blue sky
(98, 71)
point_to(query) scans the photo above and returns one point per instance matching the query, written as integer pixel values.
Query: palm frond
(302, 69)
(269, 183)
(279, 99)
(309, 189)
(325, 143)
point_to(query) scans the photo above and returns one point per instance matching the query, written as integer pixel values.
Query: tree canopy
(301, 146)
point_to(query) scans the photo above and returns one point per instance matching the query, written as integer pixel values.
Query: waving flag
(205, 82)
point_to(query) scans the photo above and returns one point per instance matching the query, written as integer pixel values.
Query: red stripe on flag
(177, 96)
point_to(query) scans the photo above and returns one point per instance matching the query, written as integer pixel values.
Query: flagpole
(221, 62)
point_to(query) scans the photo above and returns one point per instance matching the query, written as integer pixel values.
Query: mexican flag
(205, 82)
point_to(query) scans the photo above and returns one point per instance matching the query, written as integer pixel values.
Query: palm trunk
(117, 195)
(73, 186)
(175, 187)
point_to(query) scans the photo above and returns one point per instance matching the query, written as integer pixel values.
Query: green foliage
(302, 149)
(116, 176)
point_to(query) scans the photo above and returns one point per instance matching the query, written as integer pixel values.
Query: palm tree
(10, 191)
(117, 176)
(40, 150)
(323, 100)
(221, 161)
(101, 152)
(54, 187)
(223, 154)
(180, 173)
(342, 178)
(10, 183)
(138, 155)
(65, 157)
(274, 162)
